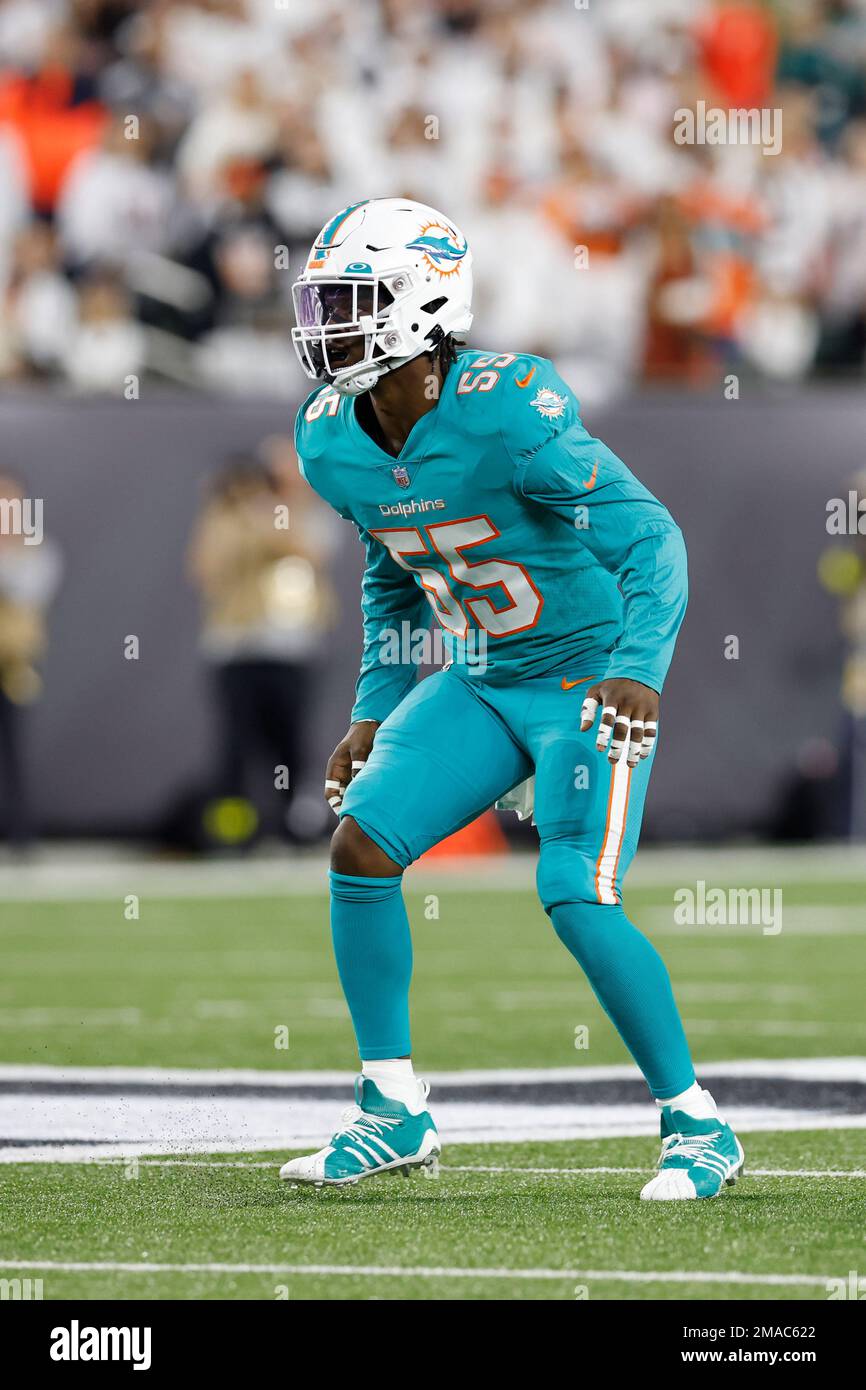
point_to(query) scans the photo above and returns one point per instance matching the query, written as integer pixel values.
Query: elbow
(678, 560)
(674, 570)
(679, 544)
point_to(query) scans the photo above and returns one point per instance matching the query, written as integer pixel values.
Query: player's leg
(589, 813)
(441, 758)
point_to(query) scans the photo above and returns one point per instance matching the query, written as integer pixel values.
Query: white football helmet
(385, 281)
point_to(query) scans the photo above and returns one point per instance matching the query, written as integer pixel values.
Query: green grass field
(203, 982)
(802, 1230)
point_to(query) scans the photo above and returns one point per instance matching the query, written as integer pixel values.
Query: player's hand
(347, 759)
(629, 718)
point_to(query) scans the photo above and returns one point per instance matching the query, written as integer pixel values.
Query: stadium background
(164, 168)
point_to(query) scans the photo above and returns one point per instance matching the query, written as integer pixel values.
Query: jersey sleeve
(390, 597)
(558, 464)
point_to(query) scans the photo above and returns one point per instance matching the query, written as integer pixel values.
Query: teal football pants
(452, 747)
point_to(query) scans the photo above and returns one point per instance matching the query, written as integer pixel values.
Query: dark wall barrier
(112, 741)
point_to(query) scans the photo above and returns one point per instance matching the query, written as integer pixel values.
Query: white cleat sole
(675, 1185)
(427, 1158)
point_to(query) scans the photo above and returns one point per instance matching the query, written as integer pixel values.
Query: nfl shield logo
(400, 476)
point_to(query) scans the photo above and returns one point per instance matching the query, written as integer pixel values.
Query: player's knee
(353, 852)
(565, 874)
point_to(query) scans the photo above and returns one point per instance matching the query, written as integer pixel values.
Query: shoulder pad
(521, 395)
(482, 379)
(536, 406)
(315, 421)
(317, 443)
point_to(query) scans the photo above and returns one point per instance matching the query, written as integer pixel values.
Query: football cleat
(376, 1135)
(699, 1157)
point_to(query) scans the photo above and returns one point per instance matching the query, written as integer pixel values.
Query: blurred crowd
(164, 167)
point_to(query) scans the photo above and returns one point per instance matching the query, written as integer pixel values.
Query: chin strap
(349, 384)
(362, 377)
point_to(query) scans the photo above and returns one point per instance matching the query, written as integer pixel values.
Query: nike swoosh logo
(526, 380)
(593, 477)
(569, 685)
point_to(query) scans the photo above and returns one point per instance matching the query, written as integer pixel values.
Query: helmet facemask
(346, 331)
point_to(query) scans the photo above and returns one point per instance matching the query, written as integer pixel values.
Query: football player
(560, 583)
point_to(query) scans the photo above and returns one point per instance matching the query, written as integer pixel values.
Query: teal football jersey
(533, 544)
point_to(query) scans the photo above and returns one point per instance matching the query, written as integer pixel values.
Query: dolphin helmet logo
(440, 247)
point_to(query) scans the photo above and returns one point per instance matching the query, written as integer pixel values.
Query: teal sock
(632, 985)
(373, 947)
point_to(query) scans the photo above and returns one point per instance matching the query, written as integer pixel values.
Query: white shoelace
(695, 1146)
(355, 1123)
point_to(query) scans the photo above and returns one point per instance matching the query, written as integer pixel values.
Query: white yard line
(58, 1016)
(579, 1172)
(636, 1276)
(482, 1127)
(787, 1068)
(798, 919)
(478, 1168)
(771, 1028)
(103, 871)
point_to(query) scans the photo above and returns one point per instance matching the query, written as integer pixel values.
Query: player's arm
(636, 539)
(390, 597)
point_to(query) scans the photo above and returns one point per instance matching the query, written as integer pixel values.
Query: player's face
(333, 305)
(340, 306)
